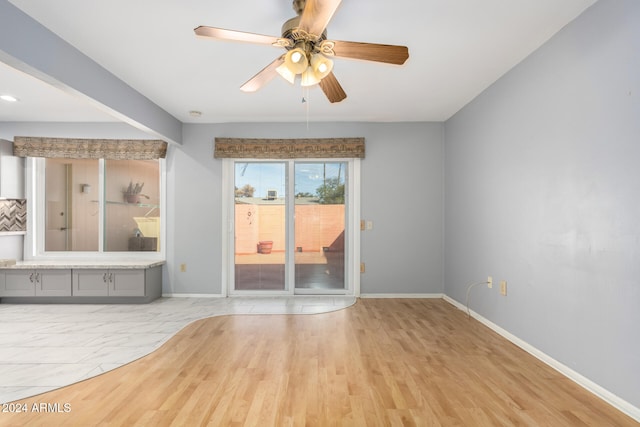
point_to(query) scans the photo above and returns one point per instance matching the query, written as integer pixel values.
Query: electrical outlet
(362, 224)
(183, 268)
(362, 267)
(489, 282)
(369, 225)
(503, 287)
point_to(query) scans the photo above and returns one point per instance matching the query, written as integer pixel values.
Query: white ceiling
(457, 49)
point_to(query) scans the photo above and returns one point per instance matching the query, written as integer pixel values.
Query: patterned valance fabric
(69, 148)
(319, 148)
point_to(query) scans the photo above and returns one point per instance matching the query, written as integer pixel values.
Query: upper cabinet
(11, 172)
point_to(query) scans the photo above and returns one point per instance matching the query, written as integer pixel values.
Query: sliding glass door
(319, 225)
(289, 227)
(260, 221)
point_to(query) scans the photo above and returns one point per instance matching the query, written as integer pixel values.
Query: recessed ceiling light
(8, 98)
(194, 113)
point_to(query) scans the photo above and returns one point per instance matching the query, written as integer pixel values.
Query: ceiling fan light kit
(308, 50)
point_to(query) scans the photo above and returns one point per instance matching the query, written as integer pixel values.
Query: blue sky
(266, 176)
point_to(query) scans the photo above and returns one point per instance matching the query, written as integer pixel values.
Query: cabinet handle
(37, 277)
(31, 277)
(104, 278)
(111, 277)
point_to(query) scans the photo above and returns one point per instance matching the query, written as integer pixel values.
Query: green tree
(246, 191)
(331, 192)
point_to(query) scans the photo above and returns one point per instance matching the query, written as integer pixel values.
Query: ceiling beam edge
(28, 46)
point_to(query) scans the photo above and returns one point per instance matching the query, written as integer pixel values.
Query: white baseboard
(170, 295)
(401, 296)
(582, 381)
(192, 295)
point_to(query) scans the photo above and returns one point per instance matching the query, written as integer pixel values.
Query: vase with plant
(133, 193)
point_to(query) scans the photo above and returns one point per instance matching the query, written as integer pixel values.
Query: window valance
(69, 148)
(318, 148)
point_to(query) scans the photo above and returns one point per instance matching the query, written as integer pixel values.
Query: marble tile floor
(48, 346)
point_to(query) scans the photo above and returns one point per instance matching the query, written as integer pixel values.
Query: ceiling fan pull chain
(308, 106)
(305, 102)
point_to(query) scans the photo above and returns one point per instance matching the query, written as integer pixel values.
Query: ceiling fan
(309, 52)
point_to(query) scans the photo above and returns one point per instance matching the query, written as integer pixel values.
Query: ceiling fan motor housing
(291, 31)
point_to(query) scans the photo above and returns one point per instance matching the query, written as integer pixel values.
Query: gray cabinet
(127, 283)
(69, 284)
(18, 283)
(109, 282)
(90, 283)
(29, 283)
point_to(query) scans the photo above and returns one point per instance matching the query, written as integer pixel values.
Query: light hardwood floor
(381, 362)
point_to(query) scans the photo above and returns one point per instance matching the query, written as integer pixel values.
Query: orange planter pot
(265, 247)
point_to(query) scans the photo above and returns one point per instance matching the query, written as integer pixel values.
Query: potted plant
(133, 193)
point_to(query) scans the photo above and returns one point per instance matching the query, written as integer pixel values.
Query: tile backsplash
(13, 215)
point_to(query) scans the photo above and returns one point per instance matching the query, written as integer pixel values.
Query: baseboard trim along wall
(192, 295)
(582, 381)
(402, 296)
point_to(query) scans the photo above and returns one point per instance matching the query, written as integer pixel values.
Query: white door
(57, 206)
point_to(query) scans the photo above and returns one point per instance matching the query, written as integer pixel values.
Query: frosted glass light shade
(321, 65)
(309, 78)
(296, 61)
(286, 73)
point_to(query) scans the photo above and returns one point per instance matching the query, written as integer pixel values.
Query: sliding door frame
(352, 241)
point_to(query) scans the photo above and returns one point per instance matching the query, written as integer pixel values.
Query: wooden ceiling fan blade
(316, 15)
(390, 54)
(263, 77)
(332, 88)
(231, 35)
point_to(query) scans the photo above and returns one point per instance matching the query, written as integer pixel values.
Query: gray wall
(401, 193)
(542, 189)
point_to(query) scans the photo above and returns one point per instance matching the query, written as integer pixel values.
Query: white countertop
(71, 263)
